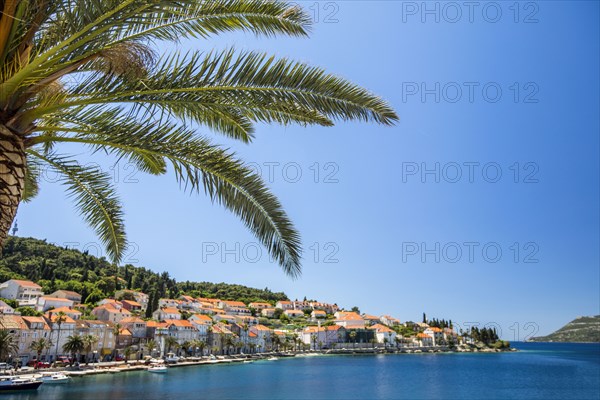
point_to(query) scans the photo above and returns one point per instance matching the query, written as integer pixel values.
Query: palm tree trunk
(12, 178)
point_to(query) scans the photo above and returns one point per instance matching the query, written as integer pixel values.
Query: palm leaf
(95, 198)
(198, 165)
(226, 91)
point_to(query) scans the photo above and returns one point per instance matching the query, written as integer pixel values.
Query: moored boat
(158, 369)
(14, 384)
(54, 378)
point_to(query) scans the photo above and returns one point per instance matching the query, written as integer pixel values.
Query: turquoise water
(539, 371)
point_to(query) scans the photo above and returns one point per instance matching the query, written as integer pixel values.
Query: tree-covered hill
(54, 267)
(581, 329)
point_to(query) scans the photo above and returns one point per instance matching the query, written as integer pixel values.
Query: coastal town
(188, 326)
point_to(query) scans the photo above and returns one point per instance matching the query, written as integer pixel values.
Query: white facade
(25, 293)
(45, 303)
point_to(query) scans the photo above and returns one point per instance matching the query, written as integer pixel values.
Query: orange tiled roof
(37, 320)
(11, 321)
(68, 292)
(179, 322)
(202, 317)
(423, 336)
(259, 304)
(170, 310)
(60, 299)
(65, 319)
(131, 303)
(155, 324)
(334, 327)
(26, 283)
(347, 316)
(435, 329)
(381, 328)
(234, 303)
(313, 329)
(66, 310)
(261, 328)
(132, 320)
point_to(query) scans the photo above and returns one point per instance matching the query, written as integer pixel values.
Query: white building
(67, 294)
(294, 313)
(284, 305)
(349, 320)
(182, 330)
(436, 334)
(165, 313)
(45, 303)
(383, 334)
(25, 293)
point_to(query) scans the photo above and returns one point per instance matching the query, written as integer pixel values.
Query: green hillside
(581, 329)
(54, 267)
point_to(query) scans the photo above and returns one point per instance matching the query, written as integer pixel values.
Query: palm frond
(95, 198)
(32, 176)
(198, 165)
(73, 31)
(227, 91)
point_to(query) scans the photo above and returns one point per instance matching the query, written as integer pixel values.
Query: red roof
(66, 310)
(179, 322)
(347, 316)
(234, 303)
(170, 310)
(26, 283)
(260, 328)
(381, 328)
(202, 317)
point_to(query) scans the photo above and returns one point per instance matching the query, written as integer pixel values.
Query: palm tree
(59, 318)
(128, 352)
(170, 342)
(85, 73)
(200, 345)
(116, 332)
(185, 346)
(9, 345)
(88, 343)
(229, 343)
(353, 338)
(74, 345)
(151, 346)
(39, 346)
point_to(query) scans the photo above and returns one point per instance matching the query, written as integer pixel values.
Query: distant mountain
(581, 329)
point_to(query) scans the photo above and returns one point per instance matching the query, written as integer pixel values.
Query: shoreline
(132, 366)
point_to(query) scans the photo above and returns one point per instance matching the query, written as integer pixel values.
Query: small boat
(114, 370)
(158, 369)
(14, 384)
(272, 359)
(171, 358)
(247, 362)
(54, 378)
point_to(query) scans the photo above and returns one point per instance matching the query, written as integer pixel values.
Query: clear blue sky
(373, 214)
